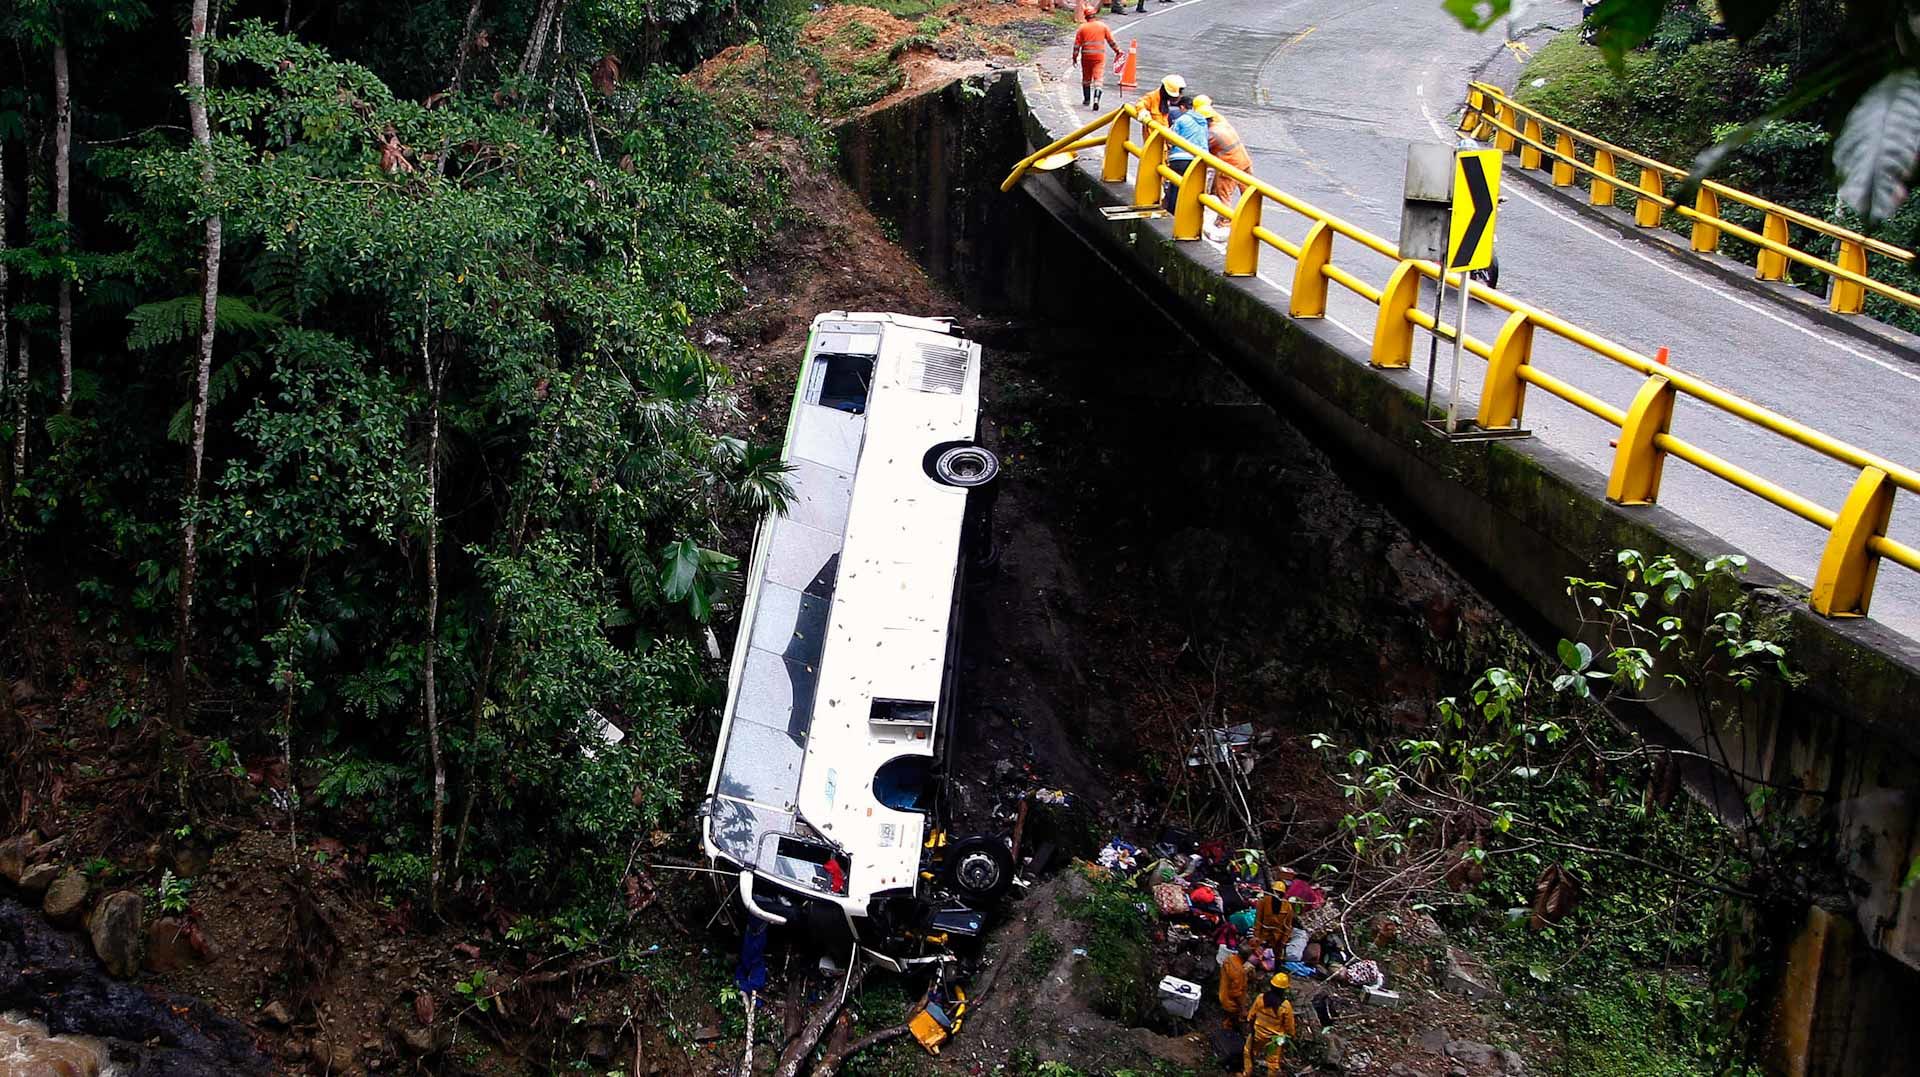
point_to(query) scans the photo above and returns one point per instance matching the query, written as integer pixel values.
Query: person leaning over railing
(1225, 143)
(1190, 128)
(1155, 101)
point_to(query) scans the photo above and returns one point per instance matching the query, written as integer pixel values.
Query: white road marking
(1666, 265)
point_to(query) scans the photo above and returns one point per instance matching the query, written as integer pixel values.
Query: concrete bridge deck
(1328, 96)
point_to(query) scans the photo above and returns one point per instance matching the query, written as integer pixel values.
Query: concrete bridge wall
(1517, 515)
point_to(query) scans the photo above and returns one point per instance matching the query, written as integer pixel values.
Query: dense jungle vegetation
(434, 495)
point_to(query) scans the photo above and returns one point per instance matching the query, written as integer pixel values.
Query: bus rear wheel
(980, 868)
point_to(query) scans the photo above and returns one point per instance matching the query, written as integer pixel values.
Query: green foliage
(1117, 953)
(172, 893)
(1042, 951)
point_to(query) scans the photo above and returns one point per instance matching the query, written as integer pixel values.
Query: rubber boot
(1096, 98)
(1086, 96)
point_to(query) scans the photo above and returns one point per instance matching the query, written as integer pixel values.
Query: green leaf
(1619, 26)
(1477, 14)
(680, 567)
(1569, 654)
(1875, 151)
(1913, 874)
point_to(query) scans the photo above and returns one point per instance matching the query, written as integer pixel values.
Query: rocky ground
(1171, 552)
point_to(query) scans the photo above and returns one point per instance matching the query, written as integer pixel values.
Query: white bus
(826, 791)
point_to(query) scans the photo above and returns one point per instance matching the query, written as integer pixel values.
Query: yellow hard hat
(1173, 85)
(1204, 106)
(1280, 980)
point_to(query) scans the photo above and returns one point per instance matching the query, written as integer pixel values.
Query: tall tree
(203, 371)
(63, 203)
(433, 373)
(13, 389)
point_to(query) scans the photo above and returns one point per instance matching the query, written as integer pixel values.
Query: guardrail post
(1393, 333)
(1503, 396)
(1470, 115)
(1503, 135)
(1843, 585)
(1187, 215)
(1646, 212)
(1113, 168)
(1635, 479)
(1563, 164)
(1844, 296)
(1600, 192)
(1706, 227)
(1772, 265)
(1146, 184)
(1243, 247)
(1530, 149)
(1309, 299)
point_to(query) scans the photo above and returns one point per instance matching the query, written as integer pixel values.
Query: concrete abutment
(1521, 516)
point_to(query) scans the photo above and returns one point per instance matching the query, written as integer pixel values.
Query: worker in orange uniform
(1224, 142)
(1273, 913)
(1273, 1026)
(1090, 48)
(1233, 984)
(1169, 89)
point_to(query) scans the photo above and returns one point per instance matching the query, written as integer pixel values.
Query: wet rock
(420, 1042)
(170, 945)
(1465, 974)
(275, 1013)
(1433, 1041)
(706, 1033)
(1512, 1062)
(116, 931)
(66, 898)
(1336, 1049)
(35, 880)
(15, 853)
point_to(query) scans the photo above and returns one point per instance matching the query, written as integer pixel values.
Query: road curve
(1328, 97)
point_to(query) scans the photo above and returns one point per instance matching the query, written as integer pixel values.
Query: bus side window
(841, 382)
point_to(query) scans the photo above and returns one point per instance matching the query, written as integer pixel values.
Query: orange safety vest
(1153, 104)
(1224, 142)
(1092, 39)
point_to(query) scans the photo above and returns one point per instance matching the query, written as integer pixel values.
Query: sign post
(1476, 202)
(1424, 218)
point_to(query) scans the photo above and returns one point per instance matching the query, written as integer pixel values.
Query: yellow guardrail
(1541, 140)
(1856, 531)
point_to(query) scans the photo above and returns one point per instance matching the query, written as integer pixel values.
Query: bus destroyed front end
(828, 796)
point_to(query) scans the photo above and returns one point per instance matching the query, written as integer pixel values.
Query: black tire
(980, 868)
(963, 464)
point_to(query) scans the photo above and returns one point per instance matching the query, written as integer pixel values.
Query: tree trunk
(537, 42)
(6, 375)
(21, 374)
(794, 1058)
(209, 302)
(62, 211)
(428, 652)
(466, 45)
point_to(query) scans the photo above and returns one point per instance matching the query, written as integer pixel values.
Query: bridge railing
(1856, 531)
(1572, 154)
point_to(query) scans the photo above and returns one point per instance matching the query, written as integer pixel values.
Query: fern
(170, 321)
(222, 381)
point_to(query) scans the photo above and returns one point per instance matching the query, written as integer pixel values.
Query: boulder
(1336, 1050)
(15, 854)
(1465, 974)
(1512, 1062)
(1476, 1057)
(116, 930)
(170, 945)
(66, 898)
(1433, 1041)
(333, 1056)
(35, 880)
(275, 1013)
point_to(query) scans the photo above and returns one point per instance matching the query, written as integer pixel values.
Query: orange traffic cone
(1130, 71)
(1661, 355)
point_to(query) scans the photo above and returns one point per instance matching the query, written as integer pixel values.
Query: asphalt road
(1328, 96)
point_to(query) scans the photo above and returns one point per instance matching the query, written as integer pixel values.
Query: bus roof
(843, 640)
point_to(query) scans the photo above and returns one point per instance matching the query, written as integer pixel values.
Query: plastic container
(1178, 997)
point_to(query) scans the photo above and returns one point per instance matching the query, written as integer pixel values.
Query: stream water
(61, 1015)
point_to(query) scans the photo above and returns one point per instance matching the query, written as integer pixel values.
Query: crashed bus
(828, 790)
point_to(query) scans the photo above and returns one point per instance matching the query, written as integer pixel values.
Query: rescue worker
(1191, 129)
(1233, 984)
(1156, 102)
(1273, 913)
(1090, 44)
(1273, 1026)
(1224, 142)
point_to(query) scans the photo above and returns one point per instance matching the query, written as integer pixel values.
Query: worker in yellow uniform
(1233, 984)
(1273, 1026)
(1170, 89)
(1273, 914)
